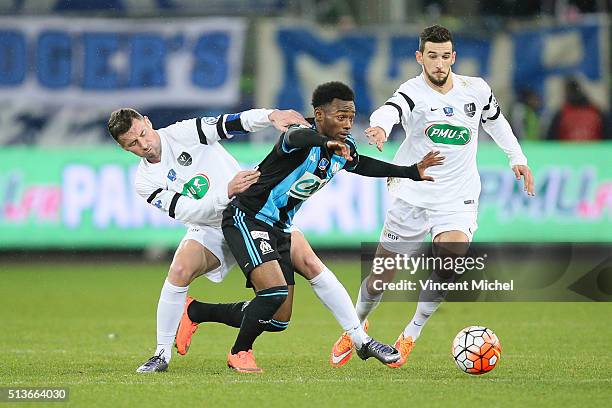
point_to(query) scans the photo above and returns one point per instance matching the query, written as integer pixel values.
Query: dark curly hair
(435, 34)
(327, 92)
(120, 121)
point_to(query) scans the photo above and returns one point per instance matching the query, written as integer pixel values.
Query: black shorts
(254, 242)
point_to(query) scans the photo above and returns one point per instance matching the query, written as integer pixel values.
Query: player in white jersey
(187, 174)
(439, 110)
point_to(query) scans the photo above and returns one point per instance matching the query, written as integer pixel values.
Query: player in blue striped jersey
(257, 222)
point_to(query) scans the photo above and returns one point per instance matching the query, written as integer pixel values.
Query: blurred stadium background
(66, 188)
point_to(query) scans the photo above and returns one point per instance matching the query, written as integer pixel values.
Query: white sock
(169, 312)
(335, 297)
(429, 300)
(359, 336)
(366, 302)
(423, 313)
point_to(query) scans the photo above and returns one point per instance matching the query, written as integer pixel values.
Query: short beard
(437, 82)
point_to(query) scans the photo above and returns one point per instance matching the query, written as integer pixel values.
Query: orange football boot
(404, 345)
(243, 362)
(343, 349)
(185, 330)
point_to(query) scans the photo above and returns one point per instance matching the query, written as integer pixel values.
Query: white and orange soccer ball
(476, 350)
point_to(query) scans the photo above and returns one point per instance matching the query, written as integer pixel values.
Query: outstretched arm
(396, 110)
(226, 126)
(371, 167)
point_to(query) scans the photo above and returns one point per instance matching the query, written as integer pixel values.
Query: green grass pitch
(55, 322)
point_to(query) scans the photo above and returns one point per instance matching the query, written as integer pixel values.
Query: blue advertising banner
(294, 59)
(118, 62)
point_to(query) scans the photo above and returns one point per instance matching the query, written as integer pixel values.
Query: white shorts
(406, 223)
(212, 238)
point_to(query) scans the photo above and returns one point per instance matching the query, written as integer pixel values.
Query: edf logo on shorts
(391, 235)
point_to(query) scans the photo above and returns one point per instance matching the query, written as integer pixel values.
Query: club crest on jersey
(265, 247)
(448, 111)
(323, 163)
(184, 159)
(469, 109)
(171, 175)
(197, 187)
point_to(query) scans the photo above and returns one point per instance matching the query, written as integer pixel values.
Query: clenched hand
(340, 149)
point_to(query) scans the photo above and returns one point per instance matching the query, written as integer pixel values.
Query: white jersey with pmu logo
(190, 182)
(448, 123)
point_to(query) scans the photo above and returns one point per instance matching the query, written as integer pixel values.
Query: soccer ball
(476, 350)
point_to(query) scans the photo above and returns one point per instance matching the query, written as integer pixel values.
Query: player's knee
(310, 266)
(451, 243)
(278, 300)
(180, 273)
(274, 296)
(284, 312)
(374, 285)
(262, 310)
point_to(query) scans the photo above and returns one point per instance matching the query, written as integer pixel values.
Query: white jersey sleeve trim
(397, 109)
(384, 117)
(256, 119)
